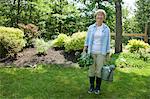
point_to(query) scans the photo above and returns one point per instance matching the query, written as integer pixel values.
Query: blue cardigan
(104, 41)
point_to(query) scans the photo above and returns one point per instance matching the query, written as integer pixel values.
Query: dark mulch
(28, 57)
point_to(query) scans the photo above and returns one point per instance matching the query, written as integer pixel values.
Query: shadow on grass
(56, 82)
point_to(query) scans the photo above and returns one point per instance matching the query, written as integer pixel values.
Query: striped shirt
(104, 39)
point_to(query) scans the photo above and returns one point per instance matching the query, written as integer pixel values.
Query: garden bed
(28, 58)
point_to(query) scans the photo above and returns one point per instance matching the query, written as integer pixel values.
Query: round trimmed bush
(59, 41)
(75, 42)
(11, 40)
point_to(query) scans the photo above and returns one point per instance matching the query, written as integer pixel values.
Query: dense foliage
(11, 40)
(125, 59)
(54, 16)
(142, 13)
(134, 22)
(30, 32)
(130, 25)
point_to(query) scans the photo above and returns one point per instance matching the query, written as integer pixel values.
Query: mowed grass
(57, 82)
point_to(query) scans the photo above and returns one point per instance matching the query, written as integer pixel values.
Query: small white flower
(122, 59)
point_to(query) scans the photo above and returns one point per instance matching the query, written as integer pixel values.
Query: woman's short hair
(100, 11)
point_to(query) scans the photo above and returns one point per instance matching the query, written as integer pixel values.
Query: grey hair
(100, 10)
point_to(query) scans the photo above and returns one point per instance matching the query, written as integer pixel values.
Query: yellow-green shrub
(75, 42)
(11, 39)
(135, 45)
(59, 41)
(41, 46)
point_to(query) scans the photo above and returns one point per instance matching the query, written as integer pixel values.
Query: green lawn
(56, 82)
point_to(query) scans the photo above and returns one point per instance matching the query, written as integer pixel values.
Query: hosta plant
(135, 45)
(85, 60)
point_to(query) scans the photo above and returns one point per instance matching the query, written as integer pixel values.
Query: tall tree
(53, 16)
(143, 12)
(92, 5)
(18, 11)
(118, 38)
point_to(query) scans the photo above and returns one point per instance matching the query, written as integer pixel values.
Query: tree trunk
(148, 32)
(13, 16)
(30, 16)
(60, 12)
(26, 6)
(18, 12)
(118, 37)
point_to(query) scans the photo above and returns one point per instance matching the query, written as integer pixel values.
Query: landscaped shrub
(41, 46)
(30, 32)
(59, 41)
(140, 47)
(136, 45)
(75, 42)
(128, 60)
(11, 40)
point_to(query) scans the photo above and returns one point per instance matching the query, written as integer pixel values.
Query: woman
(97, 43)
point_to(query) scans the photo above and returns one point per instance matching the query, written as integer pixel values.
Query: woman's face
(100, 17)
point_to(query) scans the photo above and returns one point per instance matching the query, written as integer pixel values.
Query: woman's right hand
(85, 49)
